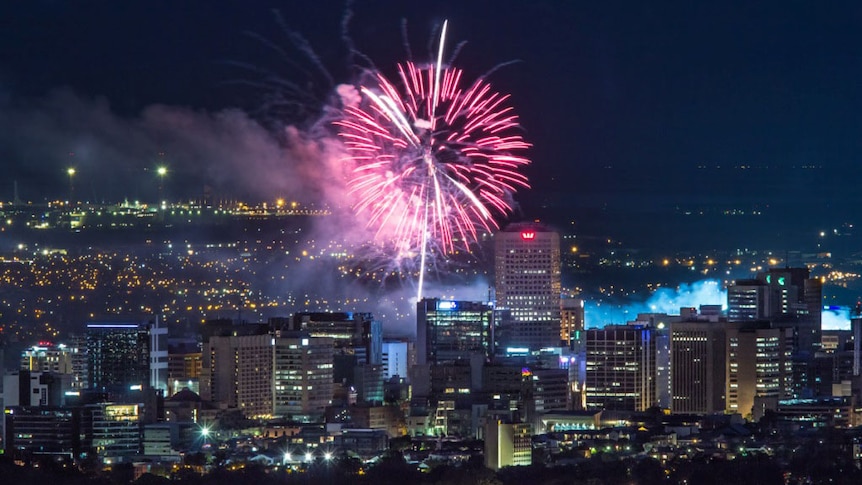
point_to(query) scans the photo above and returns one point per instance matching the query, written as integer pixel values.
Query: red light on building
(527, 235)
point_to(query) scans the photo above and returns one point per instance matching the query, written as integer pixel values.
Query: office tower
(572, 323)
(47, 357)
(302, 378)
(117, 355)
(799, 299)
(368, 382)
(759, 367)
(42, 430)
(747, 300)
(356, 333)
(237, 373)
(395, 359)
(697, 367)
(621, 368)
(544, 391)
(527, 284)
(660, 325)
(80, 362)
(158, 333)
(787, 296)
(57, 359)
(508, 444)
(112, 430)
(448, 330)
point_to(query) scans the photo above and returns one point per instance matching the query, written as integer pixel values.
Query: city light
(161, 171)
(71, 172)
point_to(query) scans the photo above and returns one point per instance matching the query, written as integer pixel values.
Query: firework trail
(434, 160)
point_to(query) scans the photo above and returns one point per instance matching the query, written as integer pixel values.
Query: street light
(71, 172)
(205, 434)
(161, 171)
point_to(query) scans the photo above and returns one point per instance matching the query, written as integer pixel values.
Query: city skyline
(351, 240)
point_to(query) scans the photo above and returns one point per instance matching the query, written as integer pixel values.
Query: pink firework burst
(435, 160)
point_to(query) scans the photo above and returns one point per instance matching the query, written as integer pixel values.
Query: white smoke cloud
(663, 300)
(835, 318)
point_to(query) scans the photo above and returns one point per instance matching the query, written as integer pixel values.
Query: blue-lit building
(447, 331)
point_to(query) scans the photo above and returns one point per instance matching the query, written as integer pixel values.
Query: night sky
(624, 101)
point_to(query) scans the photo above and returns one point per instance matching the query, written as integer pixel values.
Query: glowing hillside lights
(528, 235)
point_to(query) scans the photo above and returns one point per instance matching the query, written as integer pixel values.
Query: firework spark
(434, 160)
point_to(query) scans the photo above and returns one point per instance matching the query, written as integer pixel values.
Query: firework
(434, 159)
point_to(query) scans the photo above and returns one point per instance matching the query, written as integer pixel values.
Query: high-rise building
(800, 297)
(158, 348)
(508, 444)
(697, 367)
(759, 367)
(747, 300)
(787, 296)
(368, 382)
(572, 323)
(237, 373)
(57, 359)
(112, 430)
(395, 359)
(80, 361)
(621, 368)
(356, 332)
(527, 284)
(118, 355)
(448, 330)
(544, 391)
(42, 429)
(47, 357)
(302, 378)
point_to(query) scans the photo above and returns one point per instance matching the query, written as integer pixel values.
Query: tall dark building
(621, 368)
(43, 429)
(357, 332)
(118, 355)
(785, 296)
(697, 367)
(448, 330)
